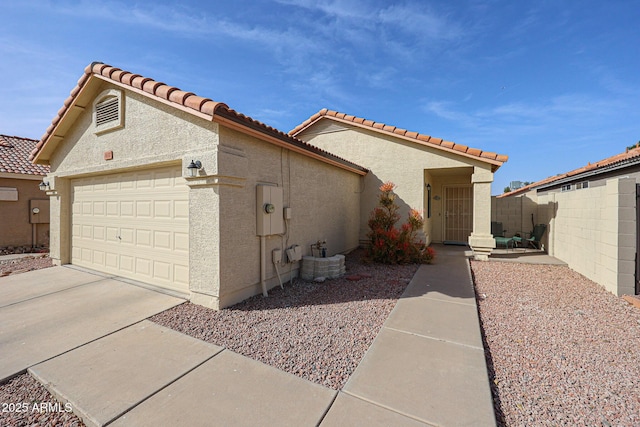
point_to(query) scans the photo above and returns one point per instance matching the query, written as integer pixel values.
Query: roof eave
(495, 164)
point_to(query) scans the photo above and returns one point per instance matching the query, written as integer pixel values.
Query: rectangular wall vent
(107, 111)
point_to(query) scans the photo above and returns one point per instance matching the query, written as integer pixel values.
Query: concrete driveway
(84, 337)
(45, 313)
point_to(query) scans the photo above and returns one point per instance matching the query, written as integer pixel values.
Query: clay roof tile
(163, 91)
(138, 82)
(410, 134)
(117, 74)
(150, 86)
(195, 102)
(128, 78)
(14, 156)
(190, 100)
(398, 131)
(179, 96)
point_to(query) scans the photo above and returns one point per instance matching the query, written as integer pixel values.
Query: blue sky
(552, 84)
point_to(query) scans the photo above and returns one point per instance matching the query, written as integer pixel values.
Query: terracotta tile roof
(190, 102)
(602, 164)
(14, 156)
(496, 159)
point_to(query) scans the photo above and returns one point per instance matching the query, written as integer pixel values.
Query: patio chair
(498, 235)
(534, 240)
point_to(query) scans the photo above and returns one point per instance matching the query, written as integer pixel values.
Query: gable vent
(107, 111)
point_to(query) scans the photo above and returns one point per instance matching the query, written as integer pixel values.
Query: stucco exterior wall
(154, 134)
(224, 250)
(325, 204)
(593, 231)
(393, 159)
(15, 226)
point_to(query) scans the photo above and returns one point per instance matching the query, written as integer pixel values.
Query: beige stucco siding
(324, 201)
(153, 133)
(15, 226)
(402, 162)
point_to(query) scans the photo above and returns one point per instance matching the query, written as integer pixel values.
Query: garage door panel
(181, 209)
(112, 209)
(112, 234)
(126, 209)
(162, 270)
(98, 208)
(181, 242)
(134, 225)
(98, 233)
(143, 238)
(143, 209)
(126, 264)
(111, 261)
(162, 208)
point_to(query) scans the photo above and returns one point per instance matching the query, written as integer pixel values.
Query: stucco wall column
(481, 239)
(60, 220)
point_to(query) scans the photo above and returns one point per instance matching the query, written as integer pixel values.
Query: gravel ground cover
(317, 331)
(24, 402)
(562, 351)
(21, 265)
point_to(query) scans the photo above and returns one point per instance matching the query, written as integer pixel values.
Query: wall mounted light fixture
(44, 186)
(194, 167)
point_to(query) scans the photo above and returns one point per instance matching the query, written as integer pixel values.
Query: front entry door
(458, 213)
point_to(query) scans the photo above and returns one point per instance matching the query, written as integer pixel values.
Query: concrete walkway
(426, 366)
(427, 363)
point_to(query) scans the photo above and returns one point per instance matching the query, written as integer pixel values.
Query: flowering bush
(390, 245)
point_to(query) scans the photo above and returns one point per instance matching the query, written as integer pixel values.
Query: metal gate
(458, 213)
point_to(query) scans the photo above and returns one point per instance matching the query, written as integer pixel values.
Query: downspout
(263, 265)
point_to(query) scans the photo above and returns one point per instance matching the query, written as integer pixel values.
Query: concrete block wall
(594, 231)
(515, 213)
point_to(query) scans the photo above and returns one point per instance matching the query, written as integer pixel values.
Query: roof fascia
(495, 163)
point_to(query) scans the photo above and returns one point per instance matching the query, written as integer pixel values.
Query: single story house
(24, 210)
(591, 215)
(161, 186)
(449, 182)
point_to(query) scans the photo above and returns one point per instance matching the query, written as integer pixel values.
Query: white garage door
(134, 225)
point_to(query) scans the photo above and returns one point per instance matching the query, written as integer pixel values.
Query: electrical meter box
(269, 210)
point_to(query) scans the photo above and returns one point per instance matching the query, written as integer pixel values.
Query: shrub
(390, 245)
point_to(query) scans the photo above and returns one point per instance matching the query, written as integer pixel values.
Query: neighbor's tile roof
(602, 164)
(190, 102)
(14, 156)
(497, 159)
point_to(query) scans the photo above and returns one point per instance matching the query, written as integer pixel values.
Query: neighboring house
(24, 209)
(449, 182)
(591, 217)
(123, 201)
(122, 151)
